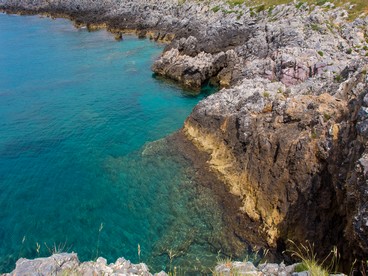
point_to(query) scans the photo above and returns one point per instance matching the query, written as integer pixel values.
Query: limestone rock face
(68, 264)
(190, 71)
(297, 163)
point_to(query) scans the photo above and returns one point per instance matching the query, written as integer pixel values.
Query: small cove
(77, 111)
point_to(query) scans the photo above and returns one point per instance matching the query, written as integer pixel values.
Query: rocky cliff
(287, 135)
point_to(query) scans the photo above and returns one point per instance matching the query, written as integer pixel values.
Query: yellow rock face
(262, 175)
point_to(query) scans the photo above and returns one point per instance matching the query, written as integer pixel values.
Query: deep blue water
(77, 110)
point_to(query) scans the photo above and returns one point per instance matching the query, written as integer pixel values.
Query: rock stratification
(288, 136)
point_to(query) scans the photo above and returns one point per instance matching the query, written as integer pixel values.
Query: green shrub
(321, 2)
(266, 94)
(338, 78)
(298, 5)
(216, 8)
(315, 27)
(270, 9)
(260, 8)
(326, 117)
(235, 2)
(320, 53)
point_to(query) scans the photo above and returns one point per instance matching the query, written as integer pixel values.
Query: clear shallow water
(76, 109)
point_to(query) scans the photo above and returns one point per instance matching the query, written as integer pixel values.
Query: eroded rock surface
(297, 163)
(68, 264)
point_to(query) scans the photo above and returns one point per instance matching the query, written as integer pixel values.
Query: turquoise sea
(77, 111)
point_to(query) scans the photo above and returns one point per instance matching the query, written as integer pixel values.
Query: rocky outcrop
(248, 268)
(297, 163)
(68, 264)
(287, 44)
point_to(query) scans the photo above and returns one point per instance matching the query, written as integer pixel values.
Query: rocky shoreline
(287, 136)
(69, 264)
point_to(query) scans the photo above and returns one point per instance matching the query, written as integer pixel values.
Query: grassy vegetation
(266, 94)
(358, 7)
(310, 262)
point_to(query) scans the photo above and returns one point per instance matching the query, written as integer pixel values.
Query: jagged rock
(46, 266)
(281, 156)
(190, 71)
(68, 264)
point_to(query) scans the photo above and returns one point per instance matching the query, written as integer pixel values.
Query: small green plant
(21, 247)
(266, 94)
(338, 78)
(56, 249)
(38, 247)
(299, 5)
(256, 256)
(309, 261)
(235, 2)
(349, 51)
(320, 53)
(227, 262)
(139, 252)
(260, 8)
(228, 11)
(359, 268)
(314, 134)
(98, 239)
(326, 117)
(315, 27)
(270, 9)
(171, 255)
(216, 8)
(321, 2)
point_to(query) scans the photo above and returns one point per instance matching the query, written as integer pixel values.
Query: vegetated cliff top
(355, 8)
